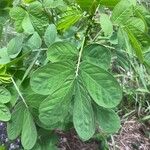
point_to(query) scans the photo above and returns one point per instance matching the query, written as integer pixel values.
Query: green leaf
(88, 5)
(83, 115)
(38, 17)
(27, 25)
(14, 126)
(62, 51)
(35, 41)
(108, 120)
(53, 3)
(122, 11)
(18, 14)
(97, 55)
(29, 132)
(5, 95)
(51, 77)
(14, 47)
(4, 113)
(50, 35)
(109, 3)
(59, 100)
(106, 25)
(30, 19)
(136, 45)
(101, 85)
(68, 18)
(4, 58)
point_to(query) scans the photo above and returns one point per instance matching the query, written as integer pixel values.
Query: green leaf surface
(122, 11)
(14, 47)
(109, 3)
(50, 35)
(27, 25)
(62, 51)
(14, 126)
(97, 55)
(51, 77)
(83, 115)
(18, 14)
(4, 113)
(106, 25)
(54, 108)
(29, 132)
(108, 120)
(101, 85)
(35, 41)
(5, 95)
(68, 18)
(4, 58)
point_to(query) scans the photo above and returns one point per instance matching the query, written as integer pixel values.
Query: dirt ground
(132, 136)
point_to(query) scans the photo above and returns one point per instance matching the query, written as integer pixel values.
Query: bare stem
(79, 58)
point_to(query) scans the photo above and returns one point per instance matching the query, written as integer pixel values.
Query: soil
(132, 136)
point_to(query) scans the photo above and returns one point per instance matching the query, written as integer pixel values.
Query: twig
(79, 59)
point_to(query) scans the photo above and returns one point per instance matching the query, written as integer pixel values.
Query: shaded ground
(70, 141)
(133, 136)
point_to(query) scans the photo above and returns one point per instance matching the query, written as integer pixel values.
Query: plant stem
(17, 89)
(79, 58)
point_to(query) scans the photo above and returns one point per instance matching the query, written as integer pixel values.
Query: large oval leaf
(29, 132)
(101, 85)
(5, 95)
(83, 115)
(61, 51)
(108, 120)
(51, 77)
(97, 55)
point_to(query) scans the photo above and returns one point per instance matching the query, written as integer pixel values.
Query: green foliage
(68, 62)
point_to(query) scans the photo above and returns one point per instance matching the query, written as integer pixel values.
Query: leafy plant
(58, 67)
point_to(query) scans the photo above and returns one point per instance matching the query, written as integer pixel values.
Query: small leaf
(83, 115)
(50, 35)
(97, 55)
(35, 41)
(101, 85)
(5, 95)
(14, 47)
(108, 120)
(51, 77)
(106, 25)
(14, 126)
(4, 113)
(62, 51)
(29, 132)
